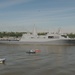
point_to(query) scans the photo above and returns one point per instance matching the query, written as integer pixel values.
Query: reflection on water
(52, 60)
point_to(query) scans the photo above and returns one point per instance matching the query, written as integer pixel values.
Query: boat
(2, 60)
(48, 39)
(31, 52)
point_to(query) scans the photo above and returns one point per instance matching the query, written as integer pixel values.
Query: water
(52, 60)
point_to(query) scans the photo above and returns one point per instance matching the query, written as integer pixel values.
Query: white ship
(49, 39)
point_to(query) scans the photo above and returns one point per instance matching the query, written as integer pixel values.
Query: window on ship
(64, 36)
(50, 36)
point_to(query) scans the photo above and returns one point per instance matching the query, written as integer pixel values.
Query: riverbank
(9, 39)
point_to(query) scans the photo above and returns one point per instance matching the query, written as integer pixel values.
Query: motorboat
(2, 60)
(31, 52)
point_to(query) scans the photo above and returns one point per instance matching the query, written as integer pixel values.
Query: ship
(48, 39)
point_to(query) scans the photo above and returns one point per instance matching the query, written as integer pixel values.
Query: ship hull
(48, 42)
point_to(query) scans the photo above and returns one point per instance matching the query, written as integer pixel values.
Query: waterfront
(52, 60)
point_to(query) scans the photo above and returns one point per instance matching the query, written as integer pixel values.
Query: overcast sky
(21, 15)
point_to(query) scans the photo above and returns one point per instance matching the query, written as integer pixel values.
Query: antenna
(58, 32)
(34, 31)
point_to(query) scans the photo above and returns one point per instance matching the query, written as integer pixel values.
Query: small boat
(2, 60)
(31, 52)
(37, 50)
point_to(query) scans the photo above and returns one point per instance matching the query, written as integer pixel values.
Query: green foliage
(71, 35)
(19, 34)
(11, 34)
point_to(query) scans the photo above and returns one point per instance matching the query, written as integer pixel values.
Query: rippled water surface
(52, 60)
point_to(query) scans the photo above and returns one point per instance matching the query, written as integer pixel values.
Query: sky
(46, 15)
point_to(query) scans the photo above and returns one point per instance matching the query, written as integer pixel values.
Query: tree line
(71, 35)
(19, 34)
(11, 34)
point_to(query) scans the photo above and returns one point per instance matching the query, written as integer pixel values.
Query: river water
(51, 60)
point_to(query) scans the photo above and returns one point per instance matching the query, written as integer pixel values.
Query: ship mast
(59, 31)
(34, 31)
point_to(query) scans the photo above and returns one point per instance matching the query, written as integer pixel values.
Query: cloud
(8, 3)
